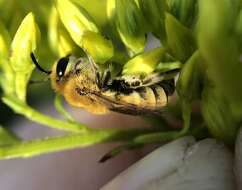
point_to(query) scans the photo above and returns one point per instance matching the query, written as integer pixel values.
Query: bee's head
(68, 69)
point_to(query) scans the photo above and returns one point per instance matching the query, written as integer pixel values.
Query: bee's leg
(98, 80)
(127, 82)
(158, 77)
(119, 149)
(106, 78)
(132, 82)
(152, 79)
(103, 79)
(168, 86)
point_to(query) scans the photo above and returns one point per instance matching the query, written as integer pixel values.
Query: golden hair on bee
(83, 85)
(74, 79)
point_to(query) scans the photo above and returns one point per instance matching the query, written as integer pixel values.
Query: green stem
(167, 66)
(170, 135)
(7, 137)
(119, 149)
(156, 137)
(60, 108)
(23, 109)
(21, 85)
(77, 140)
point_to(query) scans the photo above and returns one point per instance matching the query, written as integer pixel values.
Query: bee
(84, 85)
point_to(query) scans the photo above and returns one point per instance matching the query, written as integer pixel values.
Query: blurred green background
(12, 13)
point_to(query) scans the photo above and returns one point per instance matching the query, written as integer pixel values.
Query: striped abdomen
(151, 97)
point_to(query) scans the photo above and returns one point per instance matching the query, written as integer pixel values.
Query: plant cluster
(201, 38)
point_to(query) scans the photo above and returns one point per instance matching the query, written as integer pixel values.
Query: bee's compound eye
(61, 66)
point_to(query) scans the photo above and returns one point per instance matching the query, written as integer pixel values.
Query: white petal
(159, 163)
(238, 159)
(180, 165)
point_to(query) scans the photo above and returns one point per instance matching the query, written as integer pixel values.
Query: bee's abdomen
(152, 97)
(160, 95)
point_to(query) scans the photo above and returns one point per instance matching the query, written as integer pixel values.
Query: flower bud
(184, 10)
(239, 28)
(188, 84)
(128, 20)
(100, 17)
(60, 41)
(83, 31)
(6, 75)
(179, 38)
(76, 20)
(144, 63)
(24, 42)
(97, 46)
(4, 42)
(167, 66)
(217, 113)
(66, 45)
(154, 13)
(219, 46)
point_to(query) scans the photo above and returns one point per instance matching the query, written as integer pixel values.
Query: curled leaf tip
(144, 63)
(75, 19)
(24, 42)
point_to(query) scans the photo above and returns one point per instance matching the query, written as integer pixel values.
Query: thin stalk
(25, 110)
(60, 108)
(77, 140)
(169, 135)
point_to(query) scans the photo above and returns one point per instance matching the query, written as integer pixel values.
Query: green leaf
(144, 63)
(24, 42)
(4, 42)
(168, 66)
(84, 31)
(127, 18)
(189, 87)
(154, 13)
(219, 46)
(60, 41)
(99, 48)
(6, 137)
(179, 38)
(190, 79)
(217, 113)
(238, 29)
(94, 8)
(76, 19)
(184, 10)
(6, 72)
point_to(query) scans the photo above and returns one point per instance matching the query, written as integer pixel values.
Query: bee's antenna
(91, 60)
(37, 64)
(39, 81)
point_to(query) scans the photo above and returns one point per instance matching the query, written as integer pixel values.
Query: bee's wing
(126, 83)
(159, 77)
(127, 108)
